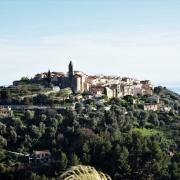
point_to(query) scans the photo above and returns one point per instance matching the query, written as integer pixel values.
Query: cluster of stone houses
(119, 87)
(111, 86)
(154, 104)
(156, 107)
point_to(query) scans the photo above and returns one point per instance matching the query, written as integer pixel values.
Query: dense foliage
(124, 141)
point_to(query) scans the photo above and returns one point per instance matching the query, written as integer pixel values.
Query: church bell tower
(70, 73)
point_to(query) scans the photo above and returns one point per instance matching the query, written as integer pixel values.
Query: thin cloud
(145, 55)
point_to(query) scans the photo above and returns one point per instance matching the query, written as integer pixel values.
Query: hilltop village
(79, 82)
(58, 89)
(57, 120)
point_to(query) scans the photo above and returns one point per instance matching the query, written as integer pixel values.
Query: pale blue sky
(137, 38)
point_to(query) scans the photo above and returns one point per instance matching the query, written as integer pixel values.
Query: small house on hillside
(150, 107)
(39, 157)
(5, 112)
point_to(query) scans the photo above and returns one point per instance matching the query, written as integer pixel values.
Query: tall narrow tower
(70, 70)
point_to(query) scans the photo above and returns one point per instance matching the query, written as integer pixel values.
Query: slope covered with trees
(116, 136)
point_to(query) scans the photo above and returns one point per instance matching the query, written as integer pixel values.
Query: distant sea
(174, 86)
(175, 89)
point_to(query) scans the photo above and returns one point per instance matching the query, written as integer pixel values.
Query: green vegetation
(148, 132)
(116, 136)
